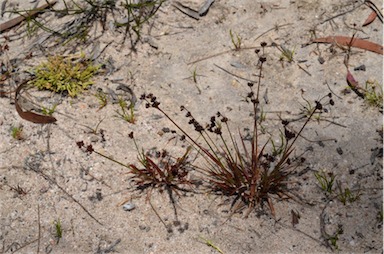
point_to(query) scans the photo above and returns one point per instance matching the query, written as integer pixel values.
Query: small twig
(39, 232)
(237, 76)
(242, 48)
(332, 91)
(302, 232)
(157, 214)
(341, 14)
(21, 247)
(46, 177)
(13, 22)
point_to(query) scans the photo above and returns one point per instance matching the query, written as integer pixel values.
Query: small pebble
(129, 206)
(94, 139)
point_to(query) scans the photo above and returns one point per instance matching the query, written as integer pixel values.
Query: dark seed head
(288, 134)
(142, 97)
(90, 149)
(255, 101)
(257, 51)
(263, 44)
(130, 135)
(80, 144)
(199, 128)
(331, 102)
(218, 131)
(318, 105)
(330, 95)
(263, 59)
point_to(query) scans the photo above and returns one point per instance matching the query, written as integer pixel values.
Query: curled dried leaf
(28, 115)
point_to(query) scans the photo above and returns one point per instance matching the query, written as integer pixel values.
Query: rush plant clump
(248, 173)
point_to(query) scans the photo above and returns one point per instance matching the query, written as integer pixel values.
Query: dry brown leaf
(370, 18)
(28, 115)
(353, 42)
(353, 84)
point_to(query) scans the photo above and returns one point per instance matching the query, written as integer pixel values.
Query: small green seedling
(347, 195)
(286, 54)
(17, 133)
(380, 215)
(278, 150)
(194, 75)
(48, 111)
(307, 109)
(210, 244)
(58, 230)
(102, 97)
(325, 181)
(236, 40)
(194, 78)
(127, 113)
(373, 93)
(71, 74)
(335, 237)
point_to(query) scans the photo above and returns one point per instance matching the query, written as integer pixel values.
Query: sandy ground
(44, 177)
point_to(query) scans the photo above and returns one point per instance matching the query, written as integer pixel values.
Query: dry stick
(39, 234)
(157, 214)
(13, 22)
(302, 232)
(46, 177)
(244, 48)
(341, 14)
(237, 76)
(307, 72)
(25, 245)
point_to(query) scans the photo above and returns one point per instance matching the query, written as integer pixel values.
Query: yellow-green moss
(72, 74)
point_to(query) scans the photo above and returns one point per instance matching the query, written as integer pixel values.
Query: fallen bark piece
(186, 10)
(28, 115)
(353, 42)
(205, 7)
(13, 22)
